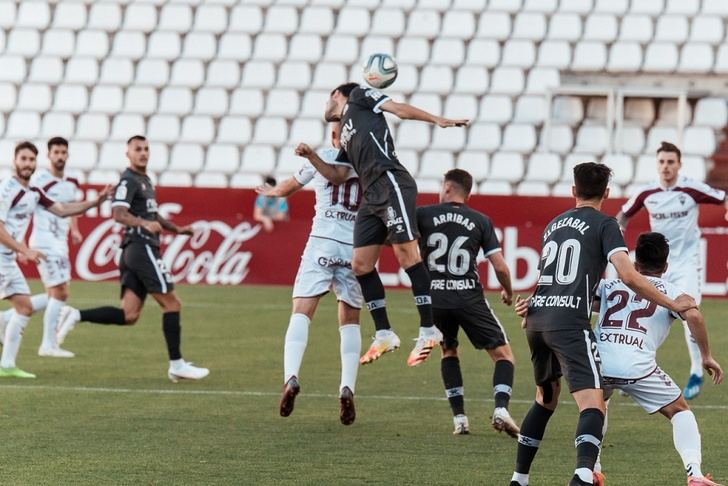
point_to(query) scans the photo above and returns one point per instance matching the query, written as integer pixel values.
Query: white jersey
(630, 328)
(50, 232)
(336, 206)
(674, 213)
(17, 205)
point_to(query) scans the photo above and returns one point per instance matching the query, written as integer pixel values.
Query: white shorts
(687, 279)
(326, 265)
(12, 280)
(653, 392)
(55, 270)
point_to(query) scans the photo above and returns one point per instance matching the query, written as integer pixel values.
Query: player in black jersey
(142, 270)
(577, 245)
(452, 235)
(387, 211)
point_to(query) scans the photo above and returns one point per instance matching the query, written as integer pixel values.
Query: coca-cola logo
(212, 255)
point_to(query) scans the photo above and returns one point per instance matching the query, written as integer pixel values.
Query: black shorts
(477, 320)
(387, 211)
(572, 353)
(143, 271)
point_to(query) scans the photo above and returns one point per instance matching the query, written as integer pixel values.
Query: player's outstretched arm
(334, 173)
(284, 189)
(696, 324)
(173, 228)
(7, 240)
(79, 207)
(623, 220)
(642, 287)
(122, 216)
(503, 274)
(409, 112)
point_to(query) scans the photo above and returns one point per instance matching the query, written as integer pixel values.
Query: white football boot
(186, 371)
(462, 427)
(68, 317)
(54, 352)
(503, 422)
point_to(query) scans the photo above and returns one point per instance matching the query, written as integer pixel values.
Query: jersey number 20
(566, 257)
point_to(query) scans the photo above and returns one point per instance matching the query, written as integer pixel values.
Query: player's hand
(186, 230)
(446, 122)
(152, 226)
(103, 195)
(265, 190)
(34, 256)
(683, 303)
(713, 369)
(522, 306)
(76, 237)
(506, 298)
(304, 150)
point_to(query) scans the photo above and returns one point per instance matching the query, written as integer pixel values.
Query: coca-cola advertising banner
(230, 248)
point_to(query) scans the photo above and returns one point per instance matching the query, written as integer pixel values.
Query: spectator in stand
(270, 208)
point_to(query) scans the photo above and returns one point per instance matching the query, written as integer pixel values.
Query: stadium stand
(226, 89)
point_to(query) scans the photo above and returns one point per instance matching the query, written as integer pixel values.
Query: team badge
(682, 200)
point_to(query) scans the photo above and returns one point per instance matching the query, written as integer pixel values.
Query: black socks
(529, 440)
(588, 438)
(373, 291)
(104, 315)
(420, 279)
(502, 382)
(452, 378)
(172, 333)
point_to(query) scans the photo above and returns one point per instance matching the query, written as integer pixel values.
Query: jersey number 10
(348, 193)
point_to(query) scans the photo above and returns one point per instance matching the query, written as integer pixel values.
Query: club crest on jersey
(151, 206)
(682, 200)
(394, 220)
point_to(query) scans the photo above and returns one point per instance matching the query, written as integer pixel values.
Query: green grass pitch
(110, 416)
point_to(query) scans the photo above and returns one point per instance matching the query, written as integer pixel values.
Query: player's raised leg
(125, 315)
(350, 348)
(294, 348)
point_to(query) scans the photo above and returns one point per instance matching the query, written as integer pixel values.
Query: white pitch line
(252, 393)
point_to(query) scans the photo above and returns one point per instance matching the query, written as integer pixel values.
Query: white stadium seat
(592, 139)
(163, 128)
(483, 52)
(476, 163)
(409, 159)
(696, 58)
(59, 42)
(460, 106)
(684, 7)
(519, 138)
(660, 57)
(631, 140)
(282, 19)
(246, 18)
(640, 111)
(494, 25)
(198, 129)
(413, 135)
(33, 15)
(711, 112)
(565, 26)
(117, 71)
(530, 188)
(353, 21)
(577, 6)
(8, 97)
(560, 139)
(186, 157)
(84, 154)
(210, 18)
(589, 56)
(469, 80)
(413, 50)
(428, 102)
(434, 164)
(57, 125)
(600, 27)
(234, 129)
(458, 24)
(388, 22)
(568, 110)
(530, 109)
(175, 179)
(342, 48)
(104, 16)
(270, 130)
(721, 59)
(450, 52)
(407, 79)
(313, 103)
(645, 169)
(484, 137)
(519, 53)
(511, 6)
(699, 141)
(506, 166)
(258, 158)
(92, 126)
(103, 177)
(621, 166)
(245, 180)
(667, 114)
(305, 47)
(235, 46)
(436, 79)
(572, 160)
(717, 7)
(636, 28)
(106, 99)
(496, 108)
(658, 134)
(423, 23)
(141, 17)
(282, 102)
(70, 98)
(543, 167)
(12, 68)
(152, 72)
(270, 47)
(545, 6)
(223, 73)
(23, 42)
(211, 180)
(625, 57)
(175, 101)
(308, 130)
(707, 28)
(8, 13)
(175, 18)
(507, 80)
(318, 20)
(596, 110)
(453, 140)
(495, 188)
(34, 97)
(295, 74)
(46, 69)
(554, 53)
(529, 26)
(618, 7)
(328, 75)
(199, 45)
(124, 126)
(693, 167)
(671, 28)
(211, 101)
(188, 73)
(126, 44)
(223, 158)
(650, 7)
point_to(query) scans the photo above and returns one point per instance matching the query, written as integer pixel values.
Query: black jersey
(136, 192)
(577, 245)
(452, 235)
(366, 141)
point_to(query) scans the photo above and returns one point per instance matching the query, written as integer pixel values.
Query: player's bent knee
(679, 405)
(449, 352)
(547, 394)
(502, 353)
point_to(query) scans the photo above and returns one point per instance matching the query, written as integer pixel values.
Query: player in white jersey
(673, 205)
(18, 201)
(50, 235)
(325, 265)
(629, 332)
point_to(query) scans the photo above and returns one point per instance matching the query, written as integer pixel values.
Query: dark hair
(270, 180)
(669, 147)
(591, 180)
(345, 89)
(652, 251)
(461, 178)
(26, 145)
(141, 138)
(57, 141)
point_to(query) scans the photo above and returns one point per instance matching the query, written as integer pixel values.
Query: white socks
(37, 301)
(696, 361)
(350, 350)
(521, 479)
(13, 336)
(50, 319)
(686, 437)
(296, 340)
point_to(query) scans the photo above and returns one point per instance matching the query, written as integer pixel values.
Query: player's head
(456, 186)
(24, 160)
(335, 134)
(58, 153)
(590, 181)
(337, 100)
(669, 162)
(651, 253)
(137, 151)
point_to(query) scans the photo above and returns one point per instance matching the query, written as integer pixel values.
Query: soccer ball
(380, 70)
